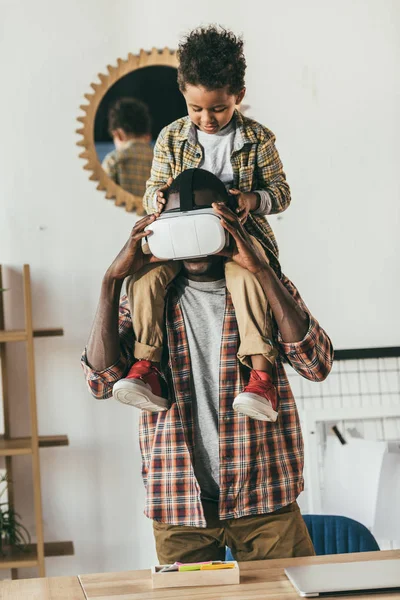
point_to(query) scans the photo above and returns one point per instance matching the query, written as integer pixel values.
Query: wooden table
(260, 580)
(46, 588)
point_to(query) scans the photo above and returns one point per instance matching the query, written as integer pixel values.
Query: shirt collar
(243, 135)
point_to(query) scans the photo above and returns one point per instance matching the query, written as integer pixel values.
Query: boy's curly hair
(131, 115)
(213, 58)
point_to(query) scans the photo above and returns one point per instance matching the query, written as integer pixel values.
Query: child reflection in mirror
(129, 165)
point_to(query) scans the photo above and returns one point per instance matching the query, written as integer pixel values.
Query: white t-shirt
(217, 149)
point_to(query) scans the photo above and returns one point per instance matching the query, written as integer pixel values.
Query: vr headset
(191, 229)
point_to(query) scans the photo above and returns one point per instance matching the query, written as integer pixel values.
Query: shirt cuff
(265, 203)
(304, 345)
(108, 375)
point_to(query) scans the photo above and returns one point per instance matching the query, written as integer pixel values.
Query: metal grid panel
(364, 379)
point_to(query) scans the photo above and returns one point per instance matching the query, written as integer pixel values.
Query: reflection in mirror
(129, 163)
(129, 119)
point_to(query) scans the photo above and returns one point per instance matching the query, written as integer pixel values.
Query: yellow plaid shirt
(130, 166)
(255, 163)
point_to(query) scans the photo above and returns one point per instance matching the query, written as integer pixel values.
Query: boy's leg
(144, 386)
(252, 314)
(146, 293)
(256, 349)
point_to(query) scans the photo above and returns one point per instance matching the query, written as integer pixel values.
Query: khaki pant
(281, 534)
(146, 292)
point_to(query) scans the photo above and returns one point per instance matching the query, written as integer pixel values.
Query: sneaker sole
(246, 404)
(139, 396)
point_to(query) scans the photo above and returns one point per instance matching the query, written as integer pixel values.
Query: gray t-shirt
(203, 308)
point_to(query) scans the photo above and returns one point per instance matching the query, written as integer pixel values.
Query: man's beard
(203, 266)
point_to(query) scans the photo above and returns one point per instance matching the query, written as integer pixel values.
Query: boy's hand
(247, 202)
(161, 200)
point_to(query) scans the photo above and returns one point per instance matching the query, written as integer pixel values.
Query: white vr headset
(181, 235)
(189, 231)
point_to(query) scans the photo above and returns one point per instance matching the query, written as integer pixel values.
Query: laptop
(312, 581)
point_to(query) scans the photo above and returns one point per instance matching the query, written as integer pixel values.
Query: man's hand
(131, 257)
(246, 201)
(244, 252)
(161, 200)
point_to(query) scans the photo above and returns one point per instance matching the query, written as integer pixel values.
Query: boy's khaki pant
(146, 292)
(281, 534)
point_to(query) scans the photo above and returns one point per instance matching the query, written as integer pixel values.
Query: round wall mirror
(125, 114)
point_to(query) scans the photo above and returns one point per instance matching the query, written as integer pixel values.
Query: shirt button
(198, 154)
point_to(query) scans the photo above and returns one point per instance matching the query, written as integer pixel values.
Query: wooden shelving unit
(18, 446)
(28, 557)
(20, 335)
(34, 554)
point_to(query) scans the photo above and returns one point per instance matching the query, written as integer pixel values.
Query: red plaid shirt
(261, 463)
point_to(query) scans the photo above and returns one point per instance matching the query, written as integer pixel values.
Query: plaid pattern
(255, 163)
(130, 166)
(261, 464)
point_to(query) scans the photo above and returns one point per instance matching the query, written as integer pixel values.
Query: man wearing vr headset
(213, 476)
(241, 153)
(190, 228)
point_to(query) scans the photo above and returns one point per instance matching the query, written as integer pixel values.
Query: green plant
(12, 532)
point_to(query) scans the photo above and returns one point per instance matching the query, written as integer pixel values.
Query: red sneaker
(258, 399)
(143, 387)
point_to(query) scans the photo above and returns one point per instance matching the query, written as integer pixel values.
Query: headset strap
(186, 190)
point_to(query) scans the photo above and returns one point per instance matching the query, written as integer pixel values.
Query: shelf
(13, 335)
(57, 549)
(15, 558)
(52, 332)
(20, 335)
(15, 446)
(49, 441)
(19, 446)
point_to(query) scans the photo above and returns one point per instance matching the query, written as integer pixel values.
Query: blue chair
(335, 535)
(339, 535)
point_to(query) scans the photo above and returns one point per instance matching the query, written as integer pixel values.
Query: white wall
(323, 76)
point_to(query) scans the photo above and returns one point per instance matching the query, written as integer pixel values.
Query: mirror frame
(154, 57)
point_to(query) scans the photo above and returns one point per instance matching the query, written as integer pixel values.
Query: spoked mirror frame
(113, 191)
